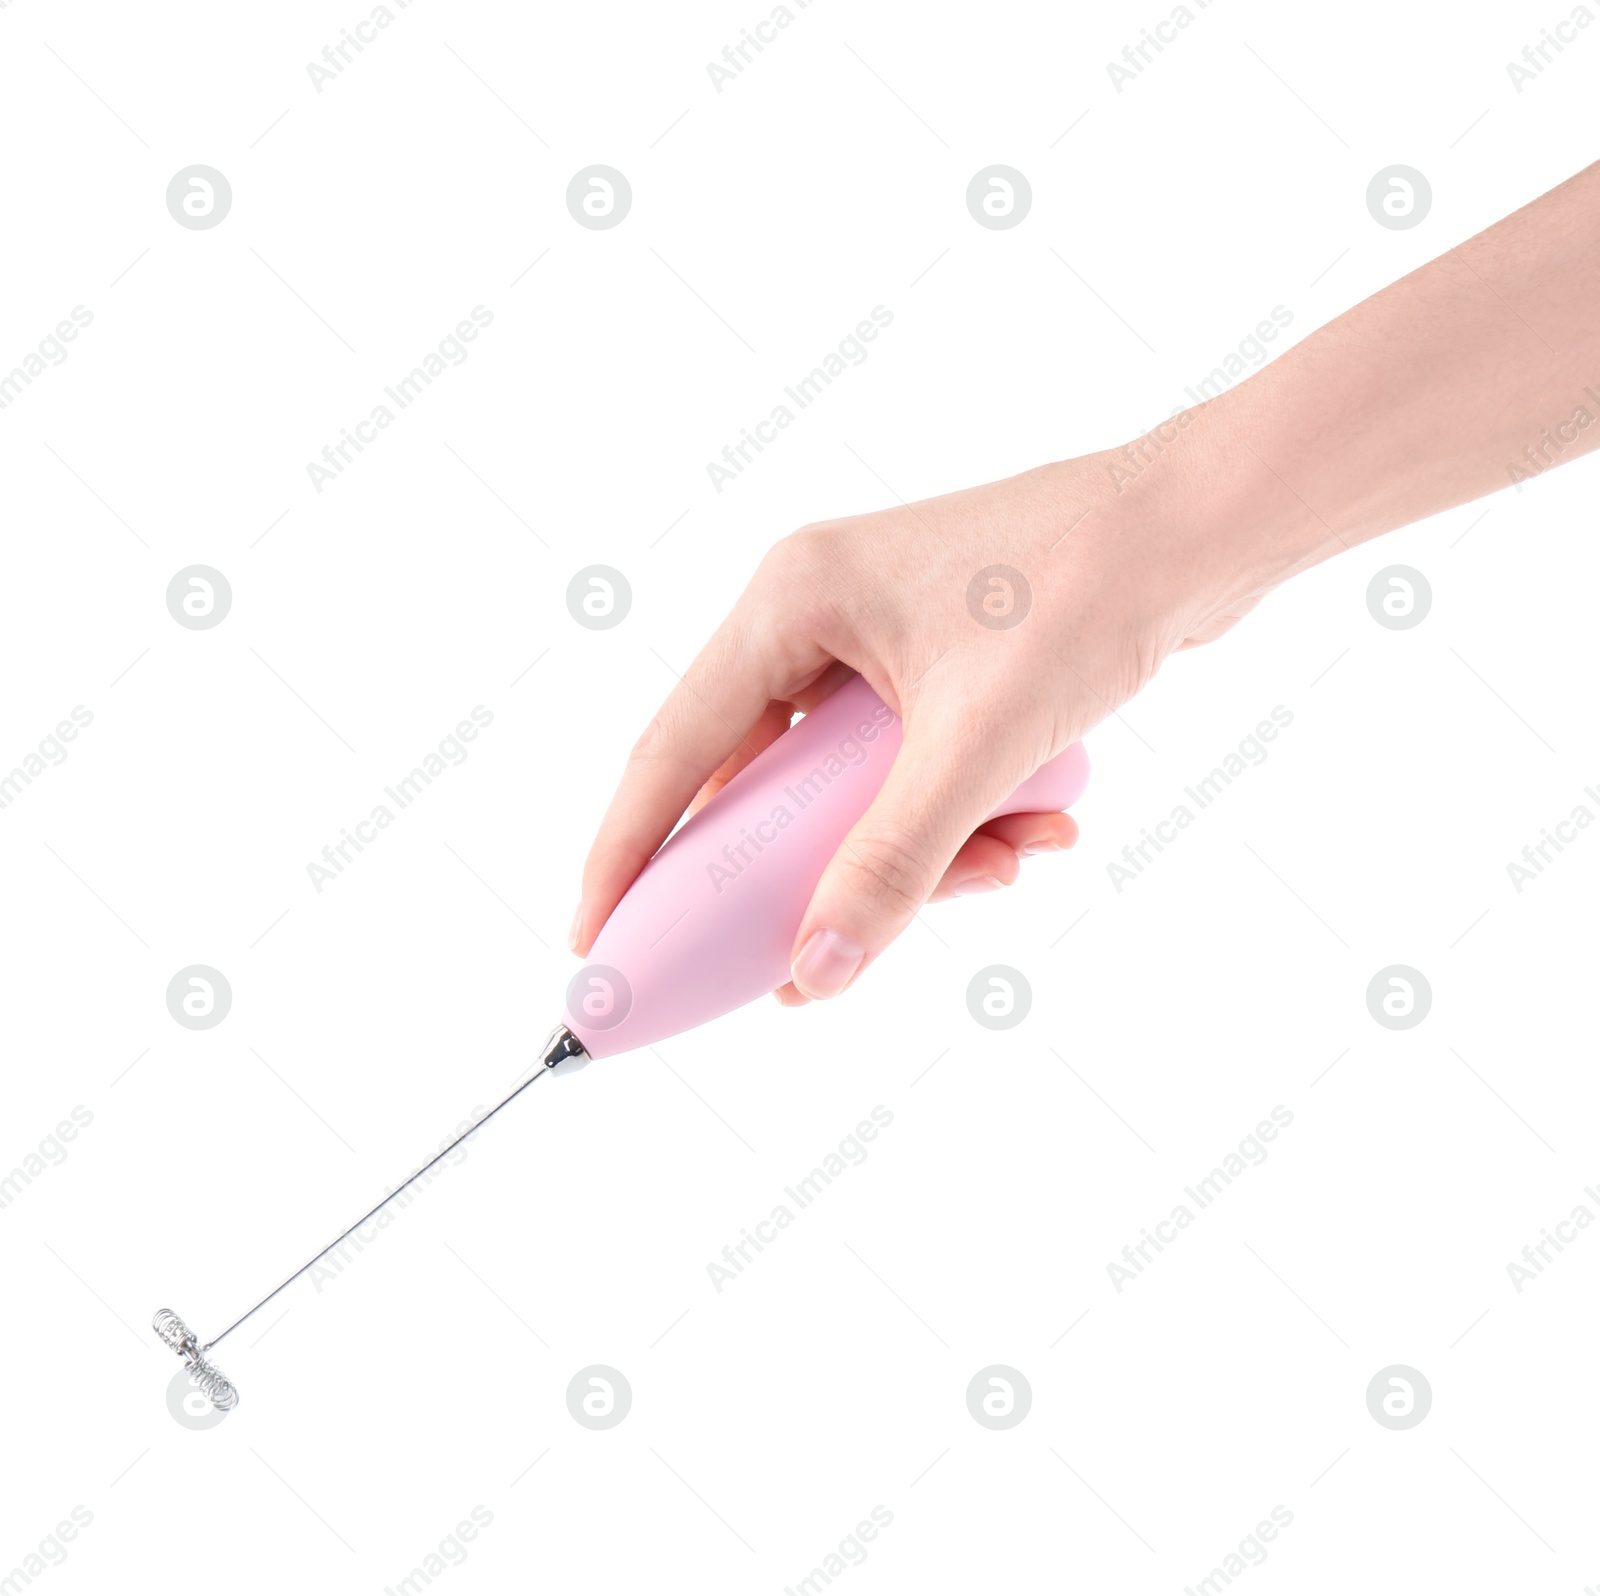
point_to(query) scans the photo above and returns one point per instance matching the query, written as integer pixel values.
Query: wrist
(1207, 482)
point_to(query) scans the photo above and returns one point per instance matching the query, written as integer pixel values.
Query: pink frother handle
(710, 921)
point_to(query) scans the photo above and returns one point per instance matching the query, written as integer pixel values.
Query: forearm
(1002, 623)
(1478, 370)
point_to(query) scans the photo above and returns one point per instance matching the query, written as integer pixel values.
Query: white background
(369, 1020)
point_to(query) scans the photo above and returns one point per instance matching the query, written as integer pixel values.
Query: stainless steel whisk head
(224, 1394)
(563, 1055)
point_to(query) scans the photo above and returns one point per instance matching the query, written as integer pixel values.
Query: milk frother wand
(709, 923)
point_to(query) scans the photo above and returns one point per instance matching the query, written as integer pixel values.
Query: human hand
(1410, 402)
(1110, 583)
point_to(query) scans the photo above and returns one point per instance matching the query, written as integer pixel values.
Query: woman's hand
(1432, 392)
(1000, 623)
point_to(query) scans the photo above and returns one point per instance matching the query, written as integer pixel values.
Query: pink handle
(709, 923)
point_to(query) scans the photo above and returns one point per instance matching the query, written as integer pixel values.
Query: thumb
(937, 793)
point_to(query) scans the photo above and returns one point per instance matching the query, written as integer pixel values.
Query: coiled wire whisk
(224, 1395)
(563, 1055)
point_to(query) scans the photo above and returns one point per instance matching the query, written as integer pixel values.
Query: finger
(936, 795)
(725, 692)
(992, 856)
(773, 723)
(1049, 832)
(770, 728)
(983, 862)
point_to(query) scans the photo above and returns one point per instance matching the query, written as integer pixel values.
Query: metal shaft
(563, 1048)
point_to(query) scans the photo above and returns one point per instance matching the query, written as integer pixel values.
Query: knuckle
(788, 557)
(798, 579)
(654, 741)
(885, 868)
(807, 552)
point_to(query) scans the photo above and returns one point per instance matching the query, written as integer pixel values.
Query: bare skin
(1420, 398)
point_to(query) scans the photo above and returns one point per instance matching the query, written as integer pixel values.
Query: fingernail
(577, 926)
(1047, 845)
(977, 884)
(825, 964)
